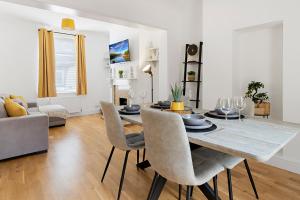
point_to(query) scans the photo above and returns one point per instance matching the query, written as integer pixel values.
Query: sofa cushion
(14, 109)
(3, 112)
(20, 99)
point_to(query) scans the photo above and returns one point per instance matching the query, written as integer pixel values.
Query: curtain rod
(63, 33)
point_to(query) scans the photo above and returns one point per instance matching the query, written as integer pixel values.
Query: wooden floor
(76, 158)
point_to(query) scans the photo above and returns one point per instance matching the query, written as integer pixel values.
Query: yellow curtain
(81, 65)
(46, 86)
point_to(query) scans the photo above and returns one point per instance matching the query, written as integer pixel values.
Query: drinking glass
(226, 106)
(143, 97)
(239, 104)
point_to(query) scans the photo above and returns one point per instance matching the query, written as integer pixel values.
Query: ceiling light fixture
(68, 24)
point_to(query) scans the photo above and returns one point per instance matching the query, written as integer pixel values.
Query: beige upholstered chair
(229, 162)
(170, 155)
(116, 135)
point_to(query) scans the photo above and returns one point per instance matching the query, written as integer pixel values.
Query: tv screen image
(119, 52)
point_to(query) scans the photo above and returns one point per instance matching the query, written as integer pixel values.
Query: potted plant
(177, 104)
(121, 72)
(191, 76)
(260, 99)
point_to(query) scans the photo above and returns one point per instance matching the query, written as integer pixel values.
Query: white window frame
(64, 93)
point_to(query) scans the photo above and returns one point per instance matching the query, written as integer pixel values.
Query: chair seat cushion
(135, 140)
(226, 160)
(204, 169)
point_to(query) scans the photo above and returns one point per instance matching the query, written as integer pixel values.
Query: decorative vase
(177, 106)
(191, 77)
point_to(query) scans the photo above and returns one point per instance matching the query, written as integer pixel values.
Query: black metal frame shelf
(192, 62)
(192, 81)
(198, 81)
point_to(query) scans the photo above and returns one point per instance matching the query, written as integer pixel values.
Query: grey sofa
(23, 135)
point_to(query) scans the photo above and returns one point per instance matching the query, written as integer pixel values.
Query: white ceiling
(53, 18)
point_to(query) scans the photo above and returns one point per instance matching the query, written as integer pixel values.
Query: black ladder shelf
(197, 63)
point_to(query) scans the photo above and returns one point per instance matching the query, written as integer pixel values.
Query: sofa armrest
(32, 104)
(23, 135)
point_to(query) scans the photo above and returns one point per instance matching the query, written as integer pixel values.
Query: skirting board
(88, 112)
(283, 163)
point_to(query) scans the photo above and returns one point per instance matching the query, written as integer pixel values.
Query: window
(65, 59)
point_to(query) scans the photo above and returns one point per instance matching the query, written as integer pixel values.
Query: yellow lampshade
(68, 24)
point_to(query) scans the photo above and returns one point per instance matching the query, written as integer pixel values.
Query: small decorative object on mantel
(191, 76)
(121, 74)
(261, 100)
(177, 104)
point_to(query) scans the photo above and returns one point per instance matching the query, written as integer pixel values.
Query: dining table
(249, 138)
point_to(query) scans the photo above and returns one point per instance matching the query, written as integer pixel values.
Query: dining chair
(170, 156)
(229, 162)
(116, 135)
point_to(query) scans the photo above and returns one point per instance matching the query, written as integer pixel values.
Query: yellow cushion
(21, 98)
(14, 109)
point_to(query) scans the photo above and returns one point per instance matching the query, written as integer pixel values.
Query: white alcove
(258, 56)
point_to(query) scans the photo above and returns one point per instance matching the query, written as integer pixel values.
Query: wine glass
(239, 104)
(226, 106)
(218, 105)
(131, 96)
(143, 97)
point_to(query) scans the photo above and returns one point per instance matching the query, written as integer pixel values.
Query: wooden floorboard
(72, 168)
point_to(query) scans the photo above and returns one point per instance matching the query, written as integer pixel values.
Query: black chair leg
(229, 184)
(152, 185)
(179, 192)
(215, 180)
(188, 192)
(157, 188)
(251, 178)
(137, 156)
(123, 174)
(192, 191)
(144, 154)
(107, 164)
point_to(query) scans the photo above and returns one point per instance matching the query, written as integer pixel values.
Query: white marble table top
(251, 138)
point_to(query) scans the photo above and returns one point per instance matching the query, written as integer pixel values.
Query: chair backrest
(114, 126)
(167, 145)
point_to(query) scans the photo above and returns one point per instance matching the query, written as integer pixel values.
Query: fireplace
(122, 101)
(120, 92)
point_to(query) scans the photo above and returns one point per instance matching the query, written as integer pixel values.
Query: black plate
(157, 106)
(222, 116)
(124, 112)
(212, 128)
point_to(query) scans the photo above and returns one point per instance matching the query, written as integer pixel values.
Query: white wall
(220, 20)
(19, 65)
(18, 56)
(181, 19)
(139, 42)
(99, 87)
(257, 56)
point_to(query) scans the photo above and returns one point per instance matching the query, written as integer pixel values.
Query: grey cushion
(3, 112)
(135, 140)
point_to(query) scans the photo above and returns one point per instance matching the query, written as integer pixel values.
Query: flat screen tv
(119, 52)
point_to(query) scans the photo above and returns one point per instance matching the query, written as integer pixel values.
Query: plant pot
(177, 106)
(262, 109)
(191, 77)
